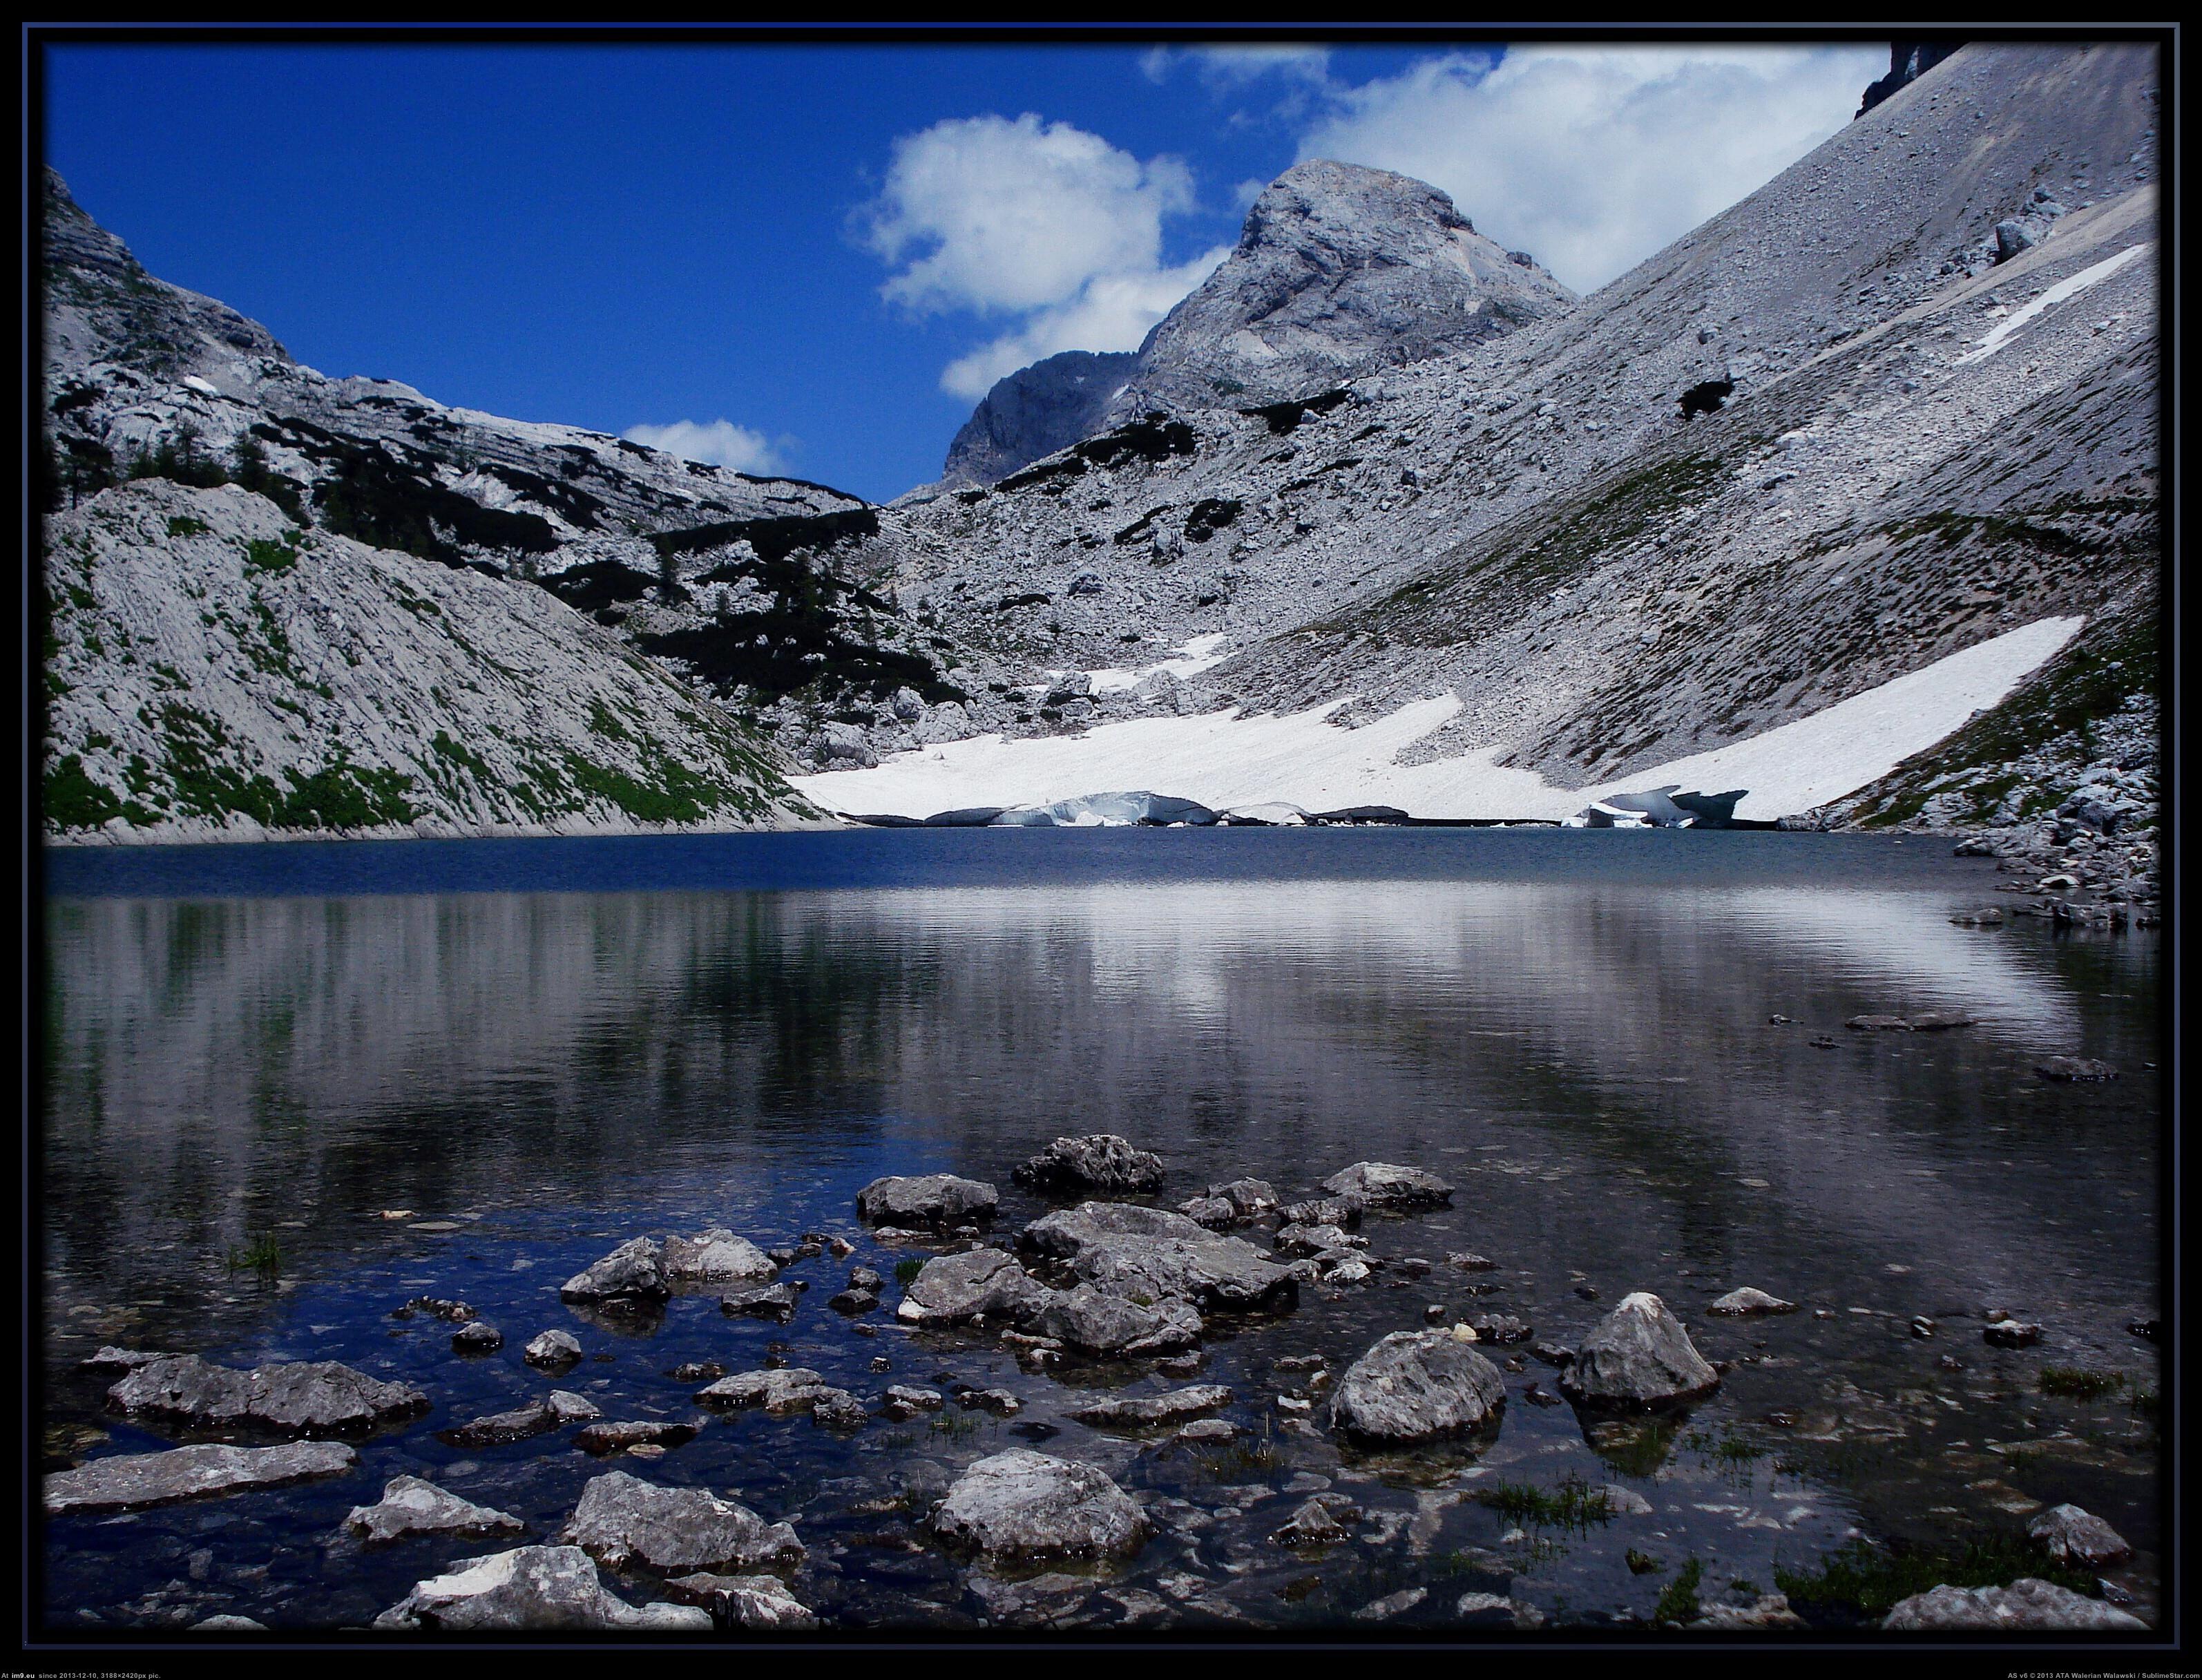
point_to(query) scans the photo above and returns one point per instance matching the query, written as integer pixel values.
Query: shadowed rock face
(1022, 1504)
(1035, 411)
(1339, 269)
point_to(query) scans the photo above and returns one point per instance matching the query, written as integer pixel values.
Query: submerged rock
(2026, 1606)
(304, 1397)
(1415, 1386)
(1393, 1189)
(792, 1388)
(939, 1199)
(1146, 1253)
(1638, 1356)
(531, 1588)
(600, 1438)
(2075, 1070)
(1146, 1409)
(775, 1301)
(622, 1521)
(2071, 1535)
(982, 1283)
(1102, 1161)
(1023, 1504)
(190, 1472)
(411, 1506)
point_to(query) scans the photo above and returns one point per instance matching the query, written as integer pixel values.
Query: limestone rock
(938, 1198)
(982, 1283)
(1394, 1189)
(124, 1481)
(2071, 1535)
(303, 1397)
(1638, 1356)
(530, 1589)
(1100, 1162)
(2027, 1605)
(1023, 1504)
(1416, 1386)
(622, 1521)
(411, 1506)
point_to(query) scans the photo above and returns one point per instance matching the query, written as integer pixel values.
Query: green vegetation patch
(1574, 1504)
(1678, 1599)
(1867, 1582)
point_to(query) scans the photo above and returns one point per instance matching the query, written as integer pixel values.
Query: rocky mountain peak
(1035, 411)
(1339, 269)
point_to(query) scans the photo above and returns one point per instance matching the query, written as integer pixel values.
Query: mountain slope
(1923, 372)
(215, 672)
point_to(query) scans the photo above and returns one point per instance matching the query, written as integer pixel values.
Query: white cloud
(985, 214)
(1109, 312)
(1038, 220)
(721, 443)
(1595, 157)
(1224, 68)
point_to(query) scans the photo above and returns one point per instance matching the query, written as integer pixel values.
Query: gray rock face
(1396, 1190)
(761, 1300)
(1111, 1326)
(1339, 270)
(759, 1603)
(303, 1397)
(1023, 1504)
(190, 1472)
(2026, 1606)
(789, 1389)
(938, 1198)
(622, 1521)
(2071, 1535)
(1638, 1356)
(983, 1284)
(1145, 1411)
(1417, 1385)
(1063, 1236)
(1036, 411)
(715, 1257)
(603, 1440)
(411, 1506)
(635, 1270)
(530, 1589)
(499, 1427)
(1102, 1161)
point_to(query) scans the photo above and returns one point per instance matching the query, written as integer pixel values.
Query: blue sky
(834, 248)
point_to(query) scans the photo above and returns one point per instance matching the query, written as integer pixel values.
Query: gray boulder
(756, 1603)
(982, 1283)
(1111, 1326)
(1217, 1273)
(530, 1589)
(635, 1270)
(1102, 1161)
(303, 1397)
(622, 1521)
(714, 1257)
(1393, 1189)
(411, 1506)
(790, 1388)
(601, 1439)
(938, 1198)
(1020, 1504)
(499, 1427)
(2071, 1535)
(190, 1472)
(2027, 1605)
(1638, 1356)
(761, 1300)
(1415, 1386)
(1065, 1234)
(553, 1350)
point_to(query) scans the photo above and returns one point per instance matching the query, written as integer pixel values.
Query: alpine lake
(288, 1089)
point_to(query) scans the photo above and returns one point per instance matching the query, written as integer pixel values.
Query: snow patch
(1224, 760)
(1999, 335)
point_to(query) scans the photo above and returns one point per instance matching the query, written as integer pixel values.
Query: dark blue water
(553, 1046)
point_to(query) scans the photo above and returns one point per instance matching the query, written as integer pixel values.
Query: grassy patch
(263, 554)
(906, 1271)
(1678, 1599)
(2071, 1383)
(1867, 1581)
(1574, 1504)
(183, 525)
(261, 1254)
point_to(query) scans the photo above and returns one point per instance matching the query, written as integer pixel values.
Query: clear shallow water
(559, 1044)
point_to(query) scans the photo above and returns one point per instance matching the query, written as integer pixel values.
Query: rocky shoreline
(1101, 1290)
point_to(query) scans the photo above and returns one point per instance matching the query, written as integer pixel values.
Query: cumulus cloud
(986, 214)
(1038, 220)
(721, 443)
(1595, 157)
(1109, 312)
